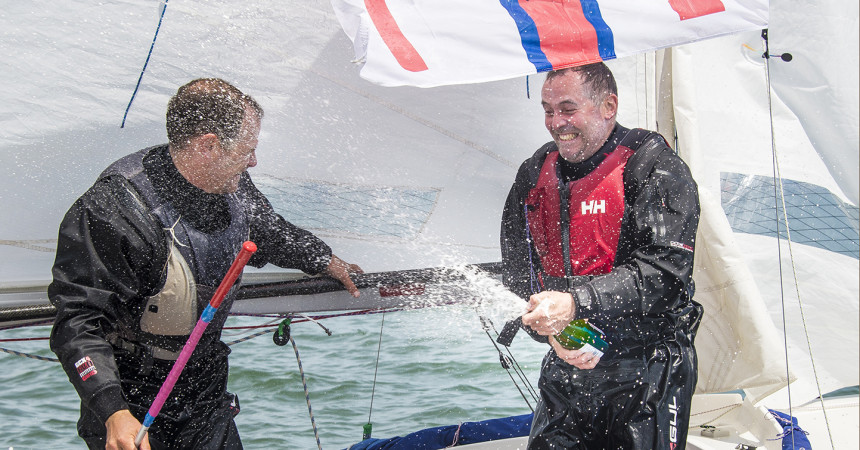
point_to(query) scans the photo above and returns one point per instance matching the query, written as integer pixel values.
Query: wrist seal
(585, 300)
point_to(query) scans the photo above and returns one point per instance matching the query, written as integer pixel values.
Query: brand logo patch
(681, 246)
(673, 423)
(86, 368)
(594, 207)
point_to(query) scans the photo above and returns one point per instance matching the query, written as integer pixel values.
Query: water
(436, 367)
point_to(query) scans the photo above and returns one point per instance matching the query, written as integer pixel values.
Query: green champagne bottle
(582, 335)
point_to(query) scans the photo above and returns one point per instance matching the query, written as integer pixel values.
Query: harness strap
(564, 213)
(144, 351)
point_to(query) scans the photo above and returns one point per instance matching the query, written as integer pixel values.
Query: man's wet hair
(207, 105)
(597, 78)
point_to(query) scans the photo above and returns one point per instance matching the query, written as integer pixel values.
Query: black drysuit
(120, 323)
(638, 396)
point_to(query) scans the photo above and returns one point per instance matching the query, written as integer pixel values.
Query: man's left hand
(584, 360)
(340, 270)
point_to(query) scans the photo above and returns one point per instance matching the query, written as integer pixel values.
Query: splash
(489, 296)
(462, 300)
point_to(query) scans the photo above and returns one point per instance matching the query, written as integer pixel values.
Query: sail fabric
(735, 341)
(720, 85)
(441, 42)
(820, 83)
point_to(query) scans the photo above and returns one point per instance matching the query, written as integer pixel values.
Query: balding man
(139, 256)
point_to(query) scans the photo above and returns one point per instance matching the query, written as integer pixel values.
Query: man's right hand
(549, 312)
(342, 271)
(122, 429)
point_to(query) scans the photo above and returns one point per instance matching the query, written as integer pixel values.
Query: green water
(437, 367)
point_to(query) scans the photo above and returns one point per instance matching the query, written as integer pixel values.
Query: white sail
(820, 85)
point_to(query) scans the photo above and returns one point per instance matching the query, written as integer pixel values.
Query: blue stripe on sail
(605, 39)
(528, 35)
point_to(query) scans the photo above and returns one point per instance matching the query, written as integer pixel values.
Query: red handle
(248, 249)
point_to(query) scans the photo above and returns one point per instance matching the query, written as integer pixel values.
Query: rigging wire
(140, 78)
(266, 328)
(520, 372)
(779, 196)
(368, 428)
(506, 361)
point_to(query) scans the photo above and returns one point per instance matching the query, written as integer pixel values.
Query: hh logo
(594, 207)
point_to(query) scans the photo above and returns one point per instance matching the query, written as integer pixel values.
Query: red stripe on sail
(400, 47)
(566, 36)
(690, 9)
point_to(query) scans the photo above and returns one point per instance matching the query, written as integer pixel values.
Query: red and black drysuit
(139, 256)
(616, 231)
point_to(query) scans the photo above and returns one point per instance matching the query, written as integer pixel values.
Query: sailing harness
(248, 249)
(195, 267)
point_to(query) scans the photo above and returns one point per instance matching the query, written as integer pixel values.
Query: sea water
(436, 366)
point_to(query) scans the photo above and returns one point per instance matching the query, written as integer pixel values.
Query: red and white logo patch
(681, 246)
(86, 368)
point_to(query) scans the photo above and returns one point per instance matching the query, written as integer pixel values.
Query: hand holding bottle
(582, 344)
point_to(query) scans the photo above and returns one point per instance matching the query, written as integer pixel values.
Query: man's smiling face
(577, 124)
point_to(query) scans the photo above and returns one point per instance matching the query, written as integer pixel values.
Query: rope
(267, 330)
(28, 355)
(456, 436)
(529, 240)
(268, 327)
(776, 213)
(24, 339)
(307, 394)
(779, 196)
(29, 244)
(151, 47)
(727, 408)
(528, 90)
(327, 316)
(48, 322)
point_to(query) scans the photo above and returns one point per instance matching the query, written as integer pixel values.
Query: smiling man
(140, 255)
(600, 225)
(578, 112)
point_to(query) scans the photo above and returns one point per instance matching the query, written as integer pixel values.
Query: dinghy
(405, 170)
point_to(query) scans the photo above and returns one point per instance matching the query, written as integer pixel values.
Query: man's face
(236, 156)
(578, 126)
